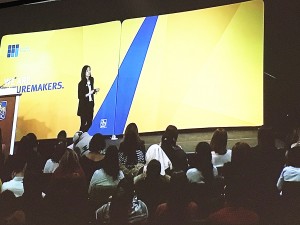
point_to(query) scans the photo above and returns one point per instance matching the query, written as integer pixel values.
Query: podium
(9, 104)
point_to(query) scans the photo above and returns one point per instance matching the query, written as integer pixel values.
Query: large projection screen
(195, 69)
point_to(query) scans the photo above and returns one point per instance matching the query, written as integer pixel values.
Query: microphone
(8, 81)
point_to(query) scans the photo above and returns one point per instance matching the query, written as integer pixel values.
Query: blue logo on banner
(3, 110)
(13, 51)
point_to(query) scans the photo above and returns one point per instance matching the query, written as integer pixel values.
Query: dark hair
(265, 137)
(83, 71)
(69, 164)
(168, 144)
(172, 131)
(58, 152)
(131, 144)
(97, 143)
(111, 162)
(153, 169)
(218, 141)
(293, 157)
(241, 154)
(32, 139)
(203, 161)
(176, 202)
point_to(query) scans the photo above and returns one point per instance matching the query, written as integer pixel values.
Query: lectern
(9, 104)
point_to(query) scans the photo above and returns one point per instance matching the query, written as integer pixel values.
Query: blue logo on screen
(3, 110)
(13, 51)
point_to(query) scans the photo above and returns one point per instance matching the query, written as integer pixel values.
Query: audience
(131, 151)
(92, 160)
(124, 208)
(140, 184)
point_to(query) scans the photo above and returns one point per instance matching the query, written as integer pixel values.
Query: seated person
(124, 208)
(16, 184)
(93, 159)
(218, 143)
(235, 211)
(52, 163)
(153, 188)
(131, 151)
(156, 152)
(81, 142)
(175, 153)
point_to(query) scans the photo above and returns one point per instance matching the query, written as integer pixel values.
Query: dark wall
(281, 51)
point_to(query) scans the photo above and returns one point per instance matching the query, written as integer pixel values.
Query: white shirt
(50, 166)
(15, 185)
(288, 173)
(219, 160)
(90, 88)
(195, 176)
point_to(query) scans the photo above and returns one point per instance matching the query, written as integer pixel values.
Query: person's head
(203, 160)
(218, 141)
(111, 162)
(58, 152)
(131, 128)
(85, 72)
(69, 163)
(265, 137)
(153, 169)
(240, 153)
(97, 143)
(18, 166)
(172, 131)
(167, 141)
(293, 157)
(77, 137)
(62, 136)
(32, 140)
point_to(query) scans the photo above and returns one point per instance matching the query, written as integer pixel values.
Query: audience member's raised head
(97, 143)
(218, 141)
